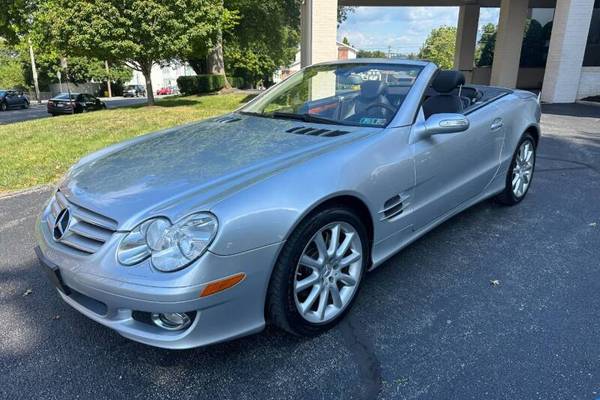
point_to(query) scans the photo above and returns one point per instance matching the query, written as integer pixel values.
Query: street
(36, 111)
(496, 303)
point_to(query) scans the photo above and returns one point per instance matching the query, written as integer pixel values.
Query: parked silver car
(274, 213)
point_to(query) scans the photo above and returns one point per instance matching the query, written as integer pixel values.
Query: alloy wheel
(328, 272)
(523, 169)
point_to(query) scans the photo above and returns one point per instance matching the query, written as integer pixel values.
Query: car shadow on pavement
(420, 318)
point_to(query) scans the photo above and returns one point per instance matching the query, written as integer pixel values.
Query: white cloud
(404, 29)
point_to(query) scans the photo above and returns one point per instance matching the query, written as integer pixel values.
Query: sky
(403, 28)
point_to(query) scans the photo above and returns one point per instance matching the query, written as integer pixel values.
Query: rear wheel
(520, 173)
(3, 106)
(26, 105)
(318, 273)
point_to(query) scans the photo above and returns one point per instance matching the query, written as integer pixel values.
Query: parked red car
(165, 90)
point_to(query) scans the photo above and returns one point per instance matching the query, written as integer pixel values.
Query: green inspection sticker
(373, 121)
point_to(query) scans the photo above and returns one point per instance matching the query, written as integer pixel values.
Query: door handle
(497, 124)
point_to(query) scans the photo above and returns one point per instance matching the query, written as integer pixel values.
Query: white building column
(509, 39)
(319, 31)
(567, 47)
(466, 39)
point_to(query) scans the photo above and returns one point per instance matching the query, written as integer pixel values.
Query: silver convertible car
(274, 213)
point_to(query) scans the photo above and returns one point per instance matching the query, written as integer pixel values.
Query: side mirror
(438, 124)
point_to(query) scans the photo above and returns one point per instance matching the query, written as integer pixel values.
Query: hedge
(200, 84)
(237, 82)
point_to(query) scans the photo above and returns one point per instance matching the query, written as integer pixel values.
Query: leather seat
(372, 93)
(445, 101)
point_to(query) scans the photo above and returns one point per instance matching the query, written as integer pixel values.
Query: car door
(452, 168)
(11, 99)
(90, 102)
(22, 100)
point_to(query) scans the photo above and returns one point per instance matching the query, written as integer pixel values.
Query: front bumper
(112, 298)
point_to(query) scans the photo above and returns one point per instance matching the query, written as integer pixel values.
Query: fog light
(171, 321)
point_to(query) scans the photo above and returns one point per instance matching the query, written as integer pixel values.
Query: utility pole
(59, 76)
(108, 79)
(34, 72)
(65, 66)
(389, 52)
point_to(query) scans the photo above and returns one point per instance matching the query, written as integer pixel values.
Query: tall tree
(11, 68)
(140, 33)
(343, 12)
(255, 50)
(532, 51)
(439, 47)
(484, 56)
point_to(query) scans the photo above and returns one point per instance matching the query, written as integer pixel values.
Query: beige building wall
(466, 39)
(319, 31)
(567, 47)
(509, 39)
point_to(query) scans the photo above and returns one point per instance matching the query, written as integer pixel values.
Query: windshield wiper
(306, 117)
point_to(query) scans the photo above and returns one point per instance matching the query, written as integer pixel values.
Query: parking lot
(497, 303)
(36, 111)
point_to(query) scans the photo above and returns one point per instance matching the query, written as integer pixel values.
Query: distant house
(163, 76)
(344, 52)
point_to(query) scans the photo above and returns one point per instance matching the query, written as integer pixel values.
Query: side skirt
(379, 259)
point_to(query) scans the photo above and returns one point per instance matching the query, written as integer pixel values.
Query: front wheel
(318, 273)
(3, 106)
(520, 173)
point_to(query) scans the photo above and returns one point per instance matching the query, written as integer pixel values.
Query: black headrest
(446, 81)
(372, 89)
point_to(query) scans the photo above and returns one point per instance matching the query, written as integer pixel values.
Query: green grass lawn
(40, 152)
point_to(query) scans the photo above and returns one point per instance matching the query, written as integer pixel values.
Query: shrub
(237, 82)
(200, 84)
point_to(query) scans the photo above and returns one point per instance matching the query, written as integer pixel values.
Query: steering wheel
(382, 105)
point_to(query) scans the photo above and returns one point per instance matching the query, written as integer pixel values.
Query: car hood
(191, 167)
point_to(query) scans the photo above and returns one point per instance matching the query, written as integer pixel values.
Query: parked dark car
(79, 103)
(13, 99)
(134, 91)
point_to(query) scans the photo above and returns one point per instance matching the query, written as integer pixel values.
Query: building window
(592, 48)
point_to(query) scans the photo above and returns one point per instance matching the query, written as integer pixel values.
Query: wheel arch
(347, 200)
(534, 130)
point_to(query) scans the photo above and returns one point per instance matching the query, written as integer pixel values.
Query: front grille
(86, 231)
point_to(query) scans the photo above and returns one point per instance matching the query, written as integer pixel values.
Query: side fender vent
(393, 207)
(303, 130)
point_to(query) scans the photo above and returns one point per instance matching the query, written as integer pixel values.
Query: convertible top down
(274, 213)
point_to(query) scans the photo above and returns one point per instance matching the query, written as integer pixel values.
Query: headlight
(171, 247)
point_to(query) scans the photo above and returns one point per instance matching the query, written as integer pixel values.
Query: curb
(35, 189)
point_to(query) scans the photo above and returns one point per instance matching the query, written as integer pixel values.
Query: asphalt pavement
(36, 111)
(496, 303)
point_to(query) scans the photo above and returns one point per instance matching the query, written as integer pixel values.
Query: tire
(511, 195)
(284, 301)
(26, 105)
(3, 106)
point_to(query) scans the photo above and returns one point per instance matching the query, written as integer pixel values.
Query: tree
(439, 47)
(254, 50)
(484, 55)
(532, 51)
(140, 33)
(343, 12)
(11, 68)
(371, 54)
(14, 18)
(346, 41)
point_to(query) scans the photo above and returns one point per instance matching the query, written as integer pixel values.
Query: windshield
(366, 94)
